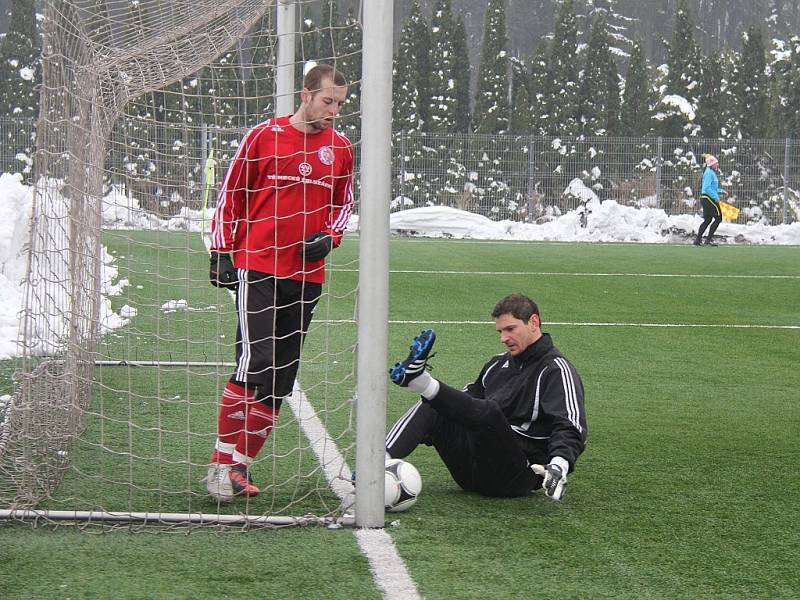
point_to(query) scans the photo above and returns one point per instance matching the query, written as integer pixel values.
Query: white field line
(582, 324)
(388, 569)
(567, 274)
(337, 472)
(393, 582)
(728, 247)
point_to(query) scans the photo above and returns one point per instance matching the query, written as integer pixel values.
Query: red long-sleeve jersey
(282, 186)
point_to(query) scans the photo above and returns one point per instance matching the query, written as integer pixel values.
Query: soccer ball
(403, 485)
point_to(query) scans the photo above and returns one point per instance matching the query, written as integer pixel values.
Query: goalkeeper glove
(222, 272)
(317, 247)
(555, 477)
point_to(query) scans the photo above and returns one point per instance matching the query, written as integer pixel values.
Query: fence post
(204, 138)
(531, 184)
(786, 152)
(658, 172)
(403, 152)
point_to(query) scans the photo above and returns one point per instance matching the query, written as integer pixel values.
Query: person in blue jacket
(710, 195)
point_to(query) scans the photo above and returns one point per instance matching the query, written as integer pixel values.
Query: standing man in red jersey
(283, 206)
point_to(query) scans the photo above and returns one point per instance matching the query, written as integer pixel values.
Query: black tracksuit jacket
(541, 395)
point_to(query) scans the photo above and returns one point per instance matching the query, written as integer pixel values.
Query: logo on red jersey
(326, 155)
(305, 169)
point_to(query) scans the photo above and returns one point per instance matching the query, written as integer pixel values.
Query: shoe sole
(421, 345)
(220, 499)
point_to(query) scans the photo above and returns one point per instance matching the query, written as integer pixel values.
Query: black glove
(317, 247)
(222, 273)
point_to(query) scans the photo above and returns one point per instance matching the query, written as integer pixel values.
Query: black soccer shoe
(416, 362)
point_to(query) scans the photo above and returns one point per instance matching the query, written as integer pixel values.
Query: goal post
(284, 70)
(373, 308)
(125, 346)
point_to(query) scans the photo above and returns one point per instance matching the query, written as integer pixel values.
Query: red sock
(260, 419)
(231, 420)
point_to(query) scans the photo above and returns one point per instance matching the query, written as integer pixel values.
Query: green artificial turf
(688, 487)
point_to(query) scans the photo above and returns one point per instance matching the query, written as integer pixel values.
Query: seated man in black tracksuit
(519, 426)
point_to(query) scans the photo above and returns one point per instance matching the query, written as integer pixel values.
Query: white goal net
(126, 347)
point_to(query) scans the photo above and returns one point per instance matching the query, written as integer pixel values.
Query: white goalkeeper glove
(555, 477)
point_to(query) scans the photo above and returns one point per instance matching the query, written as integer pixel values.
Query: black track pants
(273, 318)
(473, 438)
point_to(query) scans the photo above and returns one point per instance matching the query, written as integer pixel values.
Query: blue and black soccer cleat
(416, 362)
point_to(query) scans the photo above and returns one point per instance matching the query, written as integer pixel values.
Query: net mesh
(125, 346)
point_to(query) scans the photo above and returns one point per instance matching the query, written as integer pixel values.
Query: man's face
(321, 106)
(517, 334)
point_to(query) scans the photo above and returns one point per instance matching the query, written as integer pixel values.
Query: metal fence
(526, 178)
(16, 145)
(520, 178)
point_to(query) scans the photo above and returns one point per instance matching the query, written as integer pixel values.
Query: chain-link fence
(16, 146)
(525, 178)
(520, 178)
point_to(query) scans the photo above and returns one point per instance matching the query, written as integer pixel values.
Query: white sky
(606, 222)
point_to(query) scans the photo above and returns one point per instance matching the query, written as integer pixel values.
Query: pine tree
(307, 46)
(617, 25)
(349, 63)
(635, 114)
(710, 116)
(790, 78)
(229, 89)
(261, 85)
(776, 69)
(349, 60)
(784, 88)
(782, 20)
(750, 87)
(730, 62)
(521, 119)
(137, 136)
(461, 73)
(20, 73)
(539, 89)
(328, 41)
(599, 101)
(562, 100)
(491, 97)
(411, 85)
(683, 60)
(443, 99)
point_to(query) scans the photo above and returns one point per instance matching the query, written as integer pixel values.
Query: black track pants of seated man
(475, 441)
